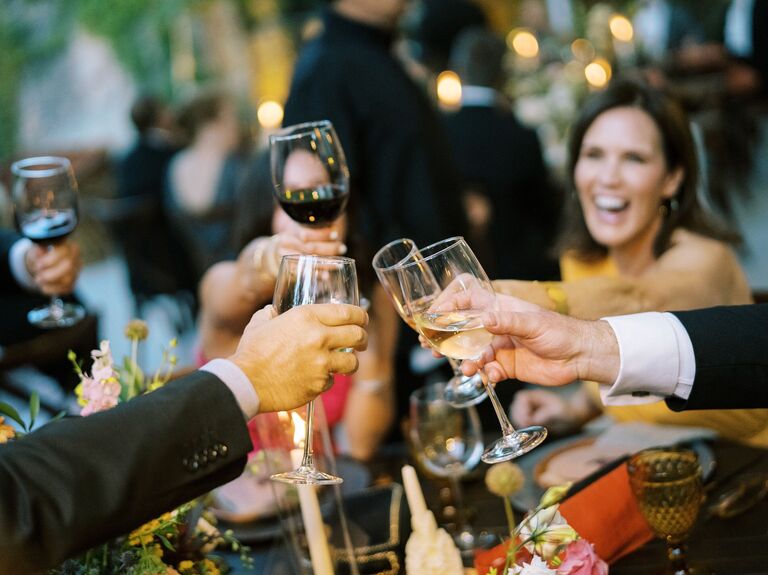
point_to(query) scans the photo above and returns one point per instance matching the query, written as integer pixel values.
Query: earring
(674, 204)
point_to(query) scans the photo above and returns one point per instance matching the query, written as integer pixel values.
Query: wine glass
(447, 442)
(309, 173)
(302, 280)
(461, 390)
(667, 485)
(448, 292)
(45, 206)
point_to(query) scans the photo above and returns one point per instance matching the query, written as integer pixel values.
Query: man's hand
(289, 358)
(54, 269)
(547, 348)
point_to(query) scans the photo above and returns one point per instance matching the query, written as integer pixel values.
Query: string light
(523, 42)
(598, 72)
(621, 28)
(449, 88)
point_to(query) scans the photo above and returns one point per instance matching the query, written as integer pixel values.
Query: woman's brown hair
(684, 210)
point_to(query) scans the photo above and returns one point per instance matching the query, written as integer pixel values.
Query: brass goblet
(668, 487)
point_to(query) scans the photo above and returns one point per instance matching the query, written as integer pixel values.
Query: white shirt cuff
(234, 378)
(657, 359)
(18, 266)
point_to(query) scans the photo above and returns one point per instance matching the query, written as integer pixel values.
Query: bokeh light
(449, 88)
(621, 28)
(270, 114)
(598, 72)
(523, 42)
(582, 49)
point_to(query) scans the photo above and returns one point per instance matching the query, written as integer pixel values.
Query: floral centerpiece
(542, 543)
(179, 542)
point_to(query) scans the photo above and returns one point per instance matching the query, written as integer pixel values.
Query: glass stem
(677, 558)
(56, 307)
(506, 426)
(309, 459)
(458, 499)
(455, 366)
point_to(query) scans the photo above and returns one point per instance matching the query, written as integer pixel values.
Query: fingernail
(334, 235)
(343, 249)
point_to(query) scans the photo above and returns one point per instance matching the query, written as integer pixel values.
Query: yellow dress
(743, 425)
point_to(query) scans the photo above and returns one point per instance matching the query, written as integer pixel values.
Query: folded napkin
(604, 511)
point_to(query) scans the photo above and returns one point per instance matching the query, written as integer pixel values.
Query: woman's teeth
(611, 203)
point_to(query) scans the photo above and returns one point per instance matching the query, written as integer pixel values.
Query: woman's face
(622, 178)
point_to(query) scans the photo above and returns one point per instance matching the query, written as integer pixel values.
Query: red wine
(48, 226)
(318, 206)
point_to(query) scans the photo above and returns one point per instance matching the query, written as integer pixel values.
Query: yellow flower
(6, 431)
(136, 330)
(210, 567)
(186, 565)
(504, 479)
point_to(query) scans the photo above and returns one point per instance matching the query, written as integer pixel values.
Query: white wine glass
(461, 390)
(447, 442)
(448, 293)
(302, 280)
(45, 206)
(309, 173)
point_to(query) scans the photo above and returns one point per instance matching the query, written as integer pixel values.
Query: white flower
(547, 533)
(537, 566)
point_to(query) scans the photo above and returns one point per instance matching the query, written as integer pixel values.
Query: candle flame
(299, 429)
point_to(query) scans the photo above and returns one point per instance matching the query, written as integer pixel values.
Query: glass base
(463, 391)
(307, 476)
(468, 540)
(53, 316)
(515, 444)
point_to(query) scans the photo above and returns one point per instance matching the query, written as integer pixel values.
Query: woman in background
(636, 239)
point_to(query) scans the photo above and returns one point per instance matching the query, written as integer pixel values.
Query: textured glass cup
(668, 487)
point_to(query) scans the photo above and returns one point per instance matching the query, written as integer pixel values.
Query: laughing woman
(637, 239)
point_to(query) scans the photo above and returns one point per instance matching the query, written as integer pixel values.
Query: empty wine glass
(447, 442)
(461, 390)
(668, 487)
(447, 292)
(309, 172)
(302, 280)
(45, 206)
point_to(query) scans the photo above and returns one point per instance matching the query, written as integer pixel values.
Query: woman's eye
(633, 157)
(592, 153)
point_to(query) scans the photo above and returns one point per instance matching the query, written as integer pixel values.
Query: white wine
(455, 334)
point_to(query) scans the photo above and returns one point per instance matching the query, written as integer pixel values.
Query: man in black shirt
(402, 183)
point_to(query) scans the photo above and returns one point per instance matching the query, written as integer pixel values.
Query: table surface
(736, 546)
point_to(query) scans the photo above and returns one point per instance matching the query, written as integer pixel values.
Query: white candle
(413, 492)
(314, 529)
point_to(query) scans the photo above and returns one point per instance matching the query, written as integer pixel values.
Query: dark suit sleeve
(7, 281)
(80, 481)
(731, 349)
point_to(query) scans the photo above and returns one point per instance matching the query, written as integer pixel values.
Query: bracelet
(557, 295)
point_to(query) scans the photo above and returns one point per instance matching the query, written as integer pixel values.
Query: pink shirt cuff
(238, 383)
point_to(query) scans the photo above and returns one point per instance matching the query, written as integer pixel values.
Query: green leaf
(57, 416)
(167, 544)
(8, 410)
(34, 408)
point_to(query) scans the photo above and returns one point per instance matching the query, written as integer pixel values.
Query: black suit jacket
(7, 282)
(80, 481)
(731, 348)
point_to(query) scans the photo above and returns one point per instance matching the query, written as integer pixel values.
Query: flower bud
(554, 495)
(136, 330)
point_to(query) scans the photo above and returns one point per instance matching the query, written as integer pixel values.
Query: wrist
(600, 354)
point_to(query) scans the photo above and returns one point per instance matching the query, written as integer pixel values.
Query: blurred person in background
(636, 239)
(29, 275)
(400, 172)
(203, 178)
(153, 253)
(501, 165)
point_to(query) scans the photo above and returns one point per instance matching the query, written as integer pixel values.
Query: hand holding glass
(461, 390)
(447, 293)
(302, 280)
(45, 205)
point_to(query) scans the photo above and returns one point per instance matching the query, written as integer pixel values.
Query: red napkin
(606, 513)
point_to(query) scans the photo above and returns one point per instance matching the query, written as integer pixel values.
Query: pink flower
(580, 559)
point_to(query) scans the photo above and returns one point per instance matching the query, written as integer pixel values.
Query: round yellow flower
(504, 479)
(136, 329)
(6, 431)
